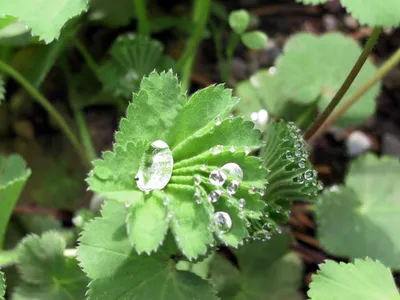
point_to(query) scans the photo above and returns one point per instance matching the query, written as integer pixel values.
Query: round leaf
(254, 39)
(239, 20)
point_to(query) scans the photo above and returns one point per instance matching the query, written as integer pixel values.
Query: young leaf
(265, 271)
(363, 279)
(239, 20)
(46, 273)
(13, 176)
(132, 57)
(306, 72)
(375, 13)
(44, 17)
(2, 286)
(361, 218)
(254, 39)
(123, 274)
(177, 146)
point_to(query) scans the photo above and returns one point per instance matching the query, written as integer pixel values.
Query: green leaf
(239, 20)
(13, 32)
(306, 72)
(202, 137)
(13, 176)
(360, 219)
(47, 274)
(363, 279)
(113, 14)
(2, 286)
(147, 224)
(132, 57)
(123, 274)
(266, 270)
(376, 13)
(254, 39)
(44, 17)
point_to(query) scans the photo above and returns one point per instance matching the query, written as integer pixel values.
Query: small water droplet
(155, 171)
(278, 209)
(254, 81)
(302, 163)
(203, 167)
(223, 221)
(261, 192)
(247, 150)
(308, 175)
(197, 179)
(252, 190)
(170, 214)
(279, 230)
(242, 214)
(127, 204)
(254, 116)
(266, 215)
(300, 179)
(272, 71)
(233, 187)
(262, 118)
(289, 155)
(297, 153)
(166, 200)
(217, 150)
(217, 178)
(334, 189)
(232, 149)
(218, 120)
(242, 203)
(320, 186)
(214, 196)
(230, 118)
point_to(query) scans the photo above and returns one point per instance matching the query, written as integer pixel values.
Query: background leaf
(376, 13)
(44, 17)
(361, 218)
(306, 73)
(47, 274)
(239, 20)
(13, 176)
(254, 39)
(363, 279)
(266, 270)
(2, 286)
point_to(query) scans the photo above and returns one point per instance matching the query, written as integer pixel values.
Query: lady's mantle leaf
(47, 274)
(239, 20)
(45, 17)
(117, 272)
(306, 72)
(132, 57)
(2, 286)
(373, 13)
(13, 176)
(363, 279)
(266, 271)
(201, 139)
(362, 218)
(2, 89)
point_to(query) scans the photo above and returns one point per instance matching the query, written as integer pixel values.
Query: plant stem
(230, 51)
(62, 124)
(143, 21)
(346, 84)
(389, 65)
(8, 257)
(200, 15)
(86, 55)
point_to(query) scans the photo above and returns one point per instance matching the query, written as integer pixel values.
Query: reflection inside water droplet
(156, 166)
(223, 221)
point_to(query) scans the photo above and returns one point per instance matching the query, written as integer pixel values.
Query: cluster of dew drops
(299, 155)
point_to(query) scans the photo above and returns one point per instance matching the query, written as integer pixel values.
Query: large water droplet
(155, 170)
(217, 178)
(233, 171)
(214, 196)
(223, 221)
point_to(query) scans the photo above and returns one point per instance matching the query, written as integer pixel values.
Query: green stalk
(8, 257)
(143, 21)
(346, 84)
(86, 56)
(62, 124)
(185, 63)
(389, 65)
(230, 51)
